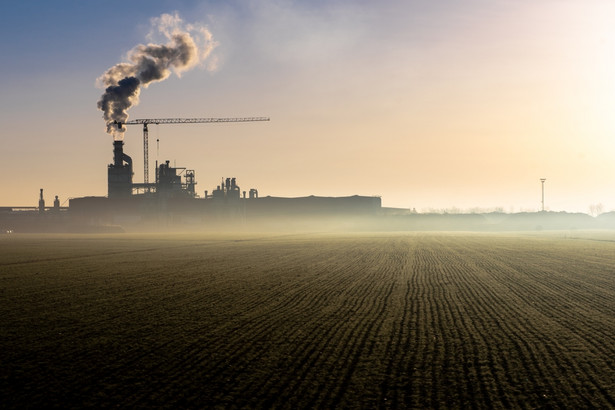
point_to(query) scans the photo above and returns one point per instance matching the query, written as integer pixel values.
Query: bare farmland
(301, 321)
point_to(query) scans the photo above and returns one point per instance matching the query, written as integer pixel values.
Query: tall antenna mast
(542, 180)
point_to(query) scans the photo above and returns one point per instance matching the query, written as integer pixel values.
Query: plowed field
(405, 320)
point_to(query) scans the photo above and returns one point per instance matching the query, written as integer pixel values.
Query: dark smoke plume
(187, 45)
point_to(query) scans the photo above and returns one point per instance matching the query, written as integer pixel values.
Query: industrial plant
(173, 202)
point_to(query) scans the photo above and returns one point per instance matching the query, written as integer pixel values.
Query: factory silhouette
(172, 202)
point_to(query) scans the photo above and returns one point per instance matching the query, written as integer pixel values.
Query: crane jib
(145, 121)
(192, 120)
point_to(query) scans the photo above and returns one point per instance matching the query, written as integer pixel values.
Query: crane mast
(146, 121)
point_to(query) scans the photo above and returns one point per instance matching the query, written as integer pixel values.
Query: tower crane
(146, 121)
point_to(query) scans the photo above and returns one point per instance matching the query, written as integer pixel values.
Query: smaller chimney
(41, 202)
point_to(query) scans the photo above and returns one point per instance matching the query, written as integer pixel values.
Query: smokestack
(187, 45)
(118, 153)
(41, 202)
(119, 177)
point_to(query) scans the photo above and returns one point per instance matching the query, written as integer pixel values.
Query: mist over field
(280, 219)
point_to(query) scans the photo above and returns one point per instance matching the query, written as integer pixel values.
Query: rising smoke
(187, 46)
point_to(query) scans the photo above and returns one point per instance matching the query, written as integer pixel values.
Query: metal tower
(542, 180)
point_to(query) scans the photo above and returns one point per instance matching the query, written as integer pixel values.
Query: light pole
(542, 180)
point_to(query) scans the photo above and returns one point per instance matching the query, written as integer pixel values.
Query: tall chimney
(120, 172)
(118, 153)
(41, 202)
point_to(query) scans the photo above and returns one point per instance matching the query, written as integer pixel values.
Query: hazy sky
(428, 104)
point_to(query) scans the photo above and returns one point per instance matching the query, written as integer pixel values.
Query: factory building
(172, 200)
